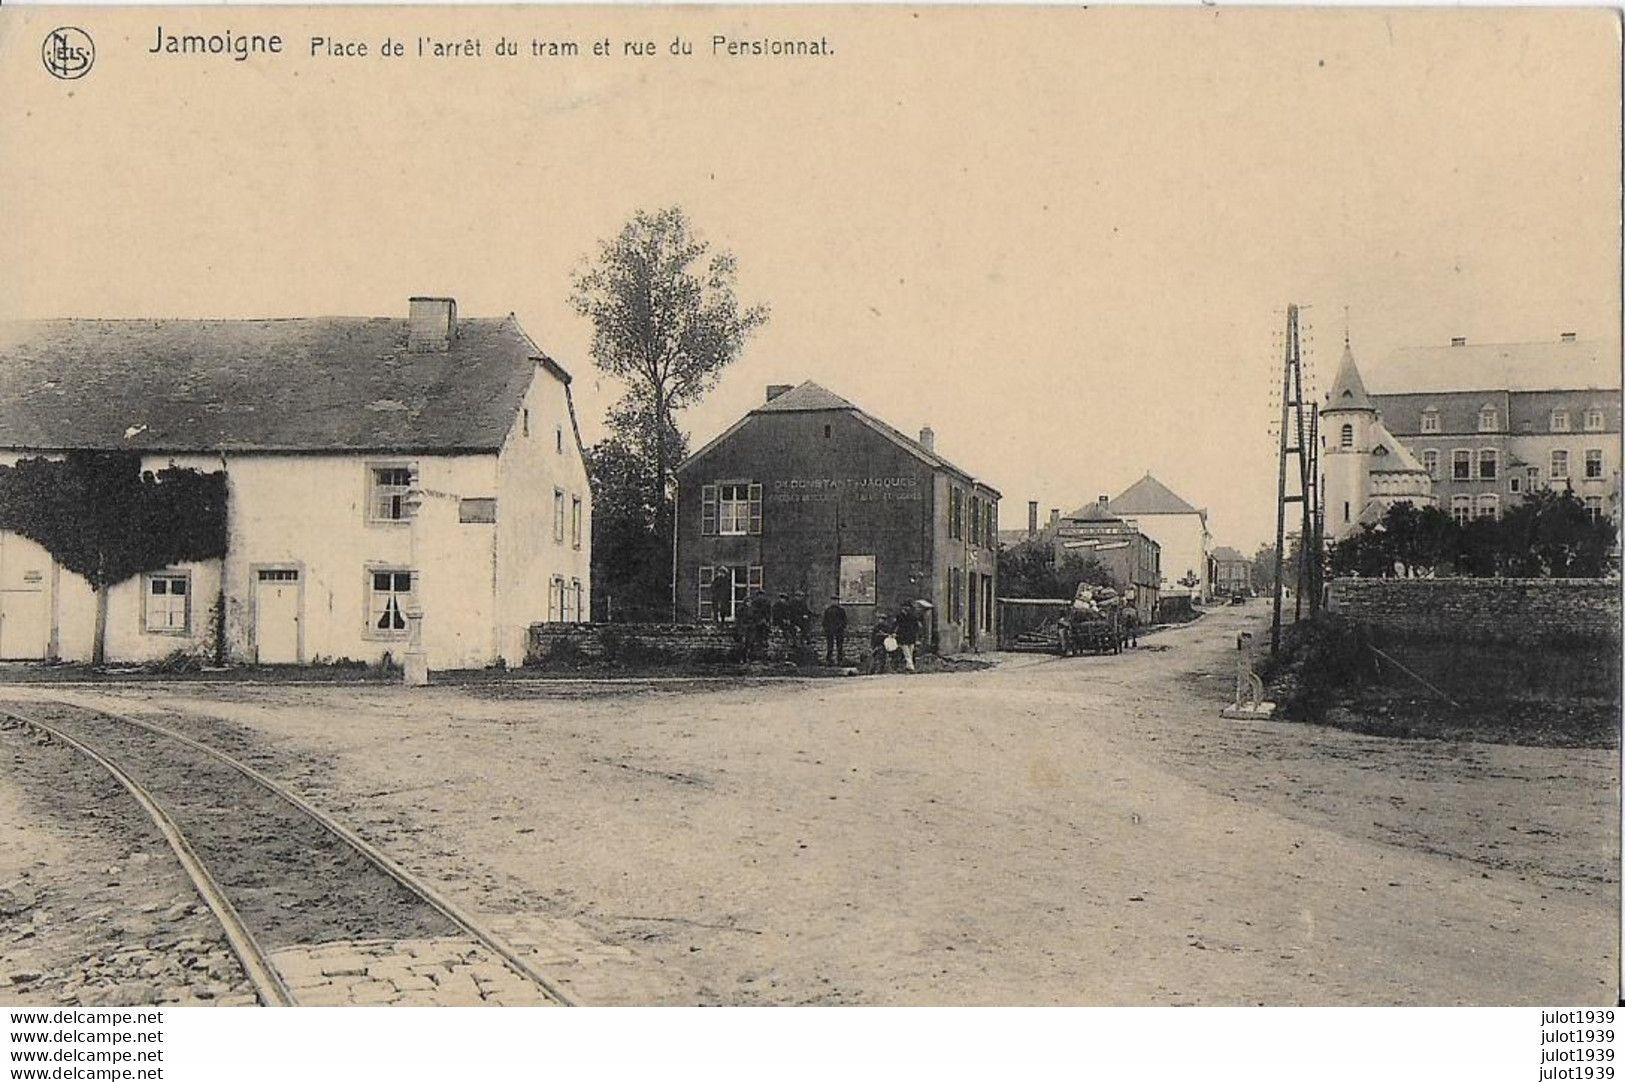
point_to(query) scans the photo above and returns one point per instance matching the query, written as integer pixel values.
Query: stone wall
(672, 642)
(1521, 611)
(1489, 639)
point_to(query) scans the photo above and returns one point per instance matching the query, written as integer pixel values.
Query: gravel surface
(1073, 831)
(94, 908)
(291, 881)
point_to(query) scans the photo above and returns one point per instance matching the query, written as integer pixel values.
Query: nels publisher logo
(68, 52)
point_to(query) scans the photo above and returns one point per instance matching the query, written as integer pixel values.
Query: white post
(416, 662)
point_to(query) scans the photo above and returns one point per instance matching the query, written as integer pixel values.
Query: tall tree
(102, 518)
(666, 321)
(1553, 534)
(631, 564)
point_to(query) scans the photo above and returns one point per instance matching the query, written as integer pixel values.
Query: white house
(321, 426)
(1180, 529)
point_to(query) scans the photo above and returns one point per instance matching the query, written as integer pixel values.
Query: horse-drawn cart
(1092, 631)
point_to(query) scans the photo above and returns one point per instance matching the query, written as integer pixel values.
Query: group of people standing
(895, 634)
(757, 617)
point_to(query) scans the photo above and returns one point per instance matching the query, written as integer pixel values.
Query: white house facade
(1177, 527)
(323, 427)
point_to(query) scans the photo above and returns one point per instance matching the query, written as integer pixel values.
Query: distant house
(322, 427)
(1179, 529)
(1232, 573)
(808, 493)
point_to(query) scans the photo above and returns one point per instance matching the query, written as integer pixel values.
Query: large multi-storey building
(1472, 428)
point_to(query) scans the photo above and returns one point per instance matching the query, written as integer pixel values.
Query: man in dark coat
(800, 618)
(835, 632)
(781, 616)
(908, 633)
(722, 594)
(761, 618)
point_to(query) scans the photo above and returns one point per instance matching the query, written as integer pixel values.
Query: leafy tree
(1264, 569)
(666, 321)
(102, 518)
(1547, 534)
(1029, 569)
(631, 564)
(1553, 534)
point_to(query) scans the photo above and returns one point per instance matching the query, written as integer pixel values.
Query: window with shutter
(707, 611)
(756, 509)
(708, 510)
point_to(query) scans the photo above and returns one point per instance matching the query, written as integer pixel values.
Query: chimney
(1458, 341)
(1032, 518)
(928, 438)
(1568, 336)
(776, 389)
(1102, 501)
(1054, 516)
(431, 325)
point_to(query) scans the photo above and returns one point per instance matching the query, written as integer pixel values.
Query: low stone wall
(1520, 611)
(635, 643)
(1490, 639)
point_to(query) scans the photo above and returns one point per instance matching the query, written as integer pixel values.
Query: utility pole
(1300, 435)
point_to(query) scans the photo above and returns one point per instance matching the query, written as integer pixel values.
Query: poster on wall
(857, 580)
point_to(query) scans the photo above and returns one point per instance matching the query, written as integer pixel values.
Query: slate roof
(1348, 389)
(1149, 496)
(1501, 366)
(1404, 459)
(1094, 512)
(809, 397)
(1224, 554)
(1521, 412)
(330, 384)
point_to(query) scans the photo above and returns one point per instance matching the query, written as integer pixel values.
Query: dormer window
(1560, 420)
(1430, 419)
(1489, 419)
(1593, 419)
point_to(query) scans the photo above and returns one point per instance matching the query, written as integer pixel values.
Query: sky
(1063, 238)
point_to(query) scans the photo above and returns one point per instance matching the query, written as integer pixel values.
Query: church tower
(1347, 424)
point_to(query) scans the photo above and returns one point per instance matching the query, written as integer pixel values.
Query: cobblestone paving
(458, 972)
(408, 972)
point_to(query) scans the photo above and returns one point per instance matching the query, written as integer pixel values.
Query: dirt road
(1078, 831)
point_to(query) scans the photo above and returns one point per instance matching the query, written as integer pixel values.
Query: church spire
(1348, 389)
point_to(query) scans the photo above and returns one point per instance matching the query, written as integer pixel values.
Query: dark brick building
(809, 493)
(1134, 560)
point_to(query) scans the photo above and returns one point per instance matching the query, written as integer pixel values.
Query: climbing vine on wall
(102, 517)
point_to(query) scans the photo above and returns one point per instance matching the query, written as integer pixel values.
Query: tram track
(286, 882)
